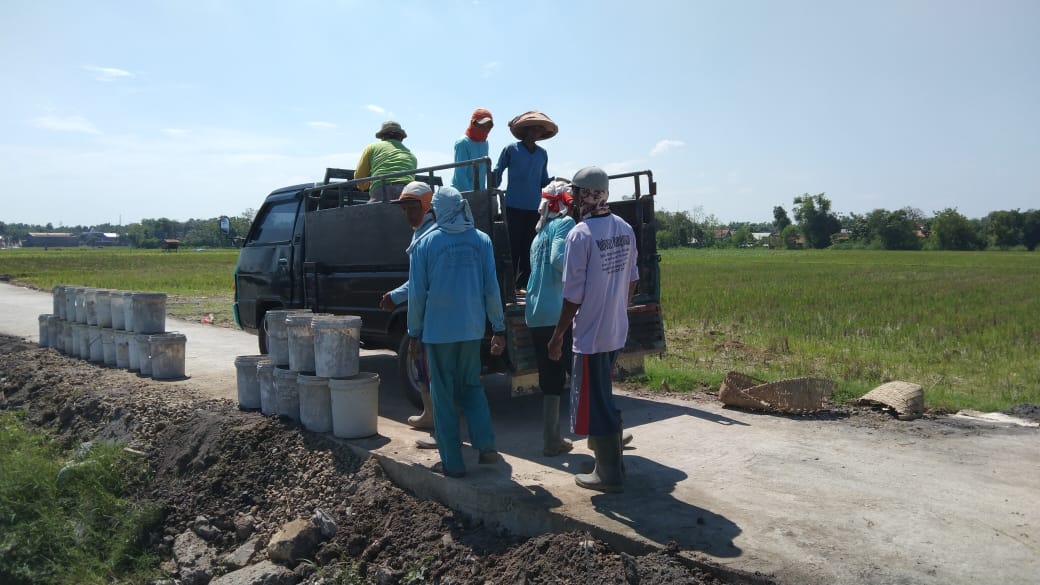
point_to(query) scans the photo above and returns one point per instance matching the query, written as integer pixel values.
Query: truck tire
(261, 332)
(407, 372)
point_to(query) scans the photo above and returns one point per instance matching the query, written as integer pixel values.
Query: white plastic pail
(122, 340)
(355, 405)
(128, 310)
(315, 404)
(108, 346)
(58, 300)
(300, 338)
(45, 334)
(248, 383)
(149, 312)
(90, 305)
(97, 351)
(265, 381)
(287, 395)
(167, 354)
(144, 352)
(103, 307)
(337, 345)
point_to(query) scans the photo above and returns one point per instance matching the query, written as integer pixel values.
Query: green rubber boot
(552, 443)
(608, 475)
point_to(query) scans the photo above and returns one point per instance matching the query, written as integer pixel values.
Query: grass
(69, 520)
(962, 324)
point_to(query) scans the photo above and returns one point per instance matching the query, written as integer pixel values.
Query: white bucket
(122, 340)
(149, 310)
(278, 335)
(300, 339)
(72, 303)
(115, 302)
(128, 310)
(83, 341)
(144, 352)
(315, 404)
(248, 384)
(54, 338)
(45, 333)
(136, 346)
(355, 405)
(97, 352)
(103, 307)
(337, 345)
(108, 346)
(68, 340)
(265, 381)
(58, 300)
(90, 305)
(287, 395)
(167, 351)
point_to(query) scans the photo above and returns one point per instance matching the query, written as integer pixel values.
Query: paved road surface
(809, 501)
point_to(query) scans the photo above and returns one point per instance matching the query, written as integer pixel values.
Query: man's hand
(386, 304)
(556, 347)
(498, 344)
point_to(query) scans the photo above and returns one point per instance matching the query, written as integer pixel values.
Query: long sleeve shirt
(545, 286)
(453, 288)
(468, 149)
(400, 294)
(528, 173)
(385, 156)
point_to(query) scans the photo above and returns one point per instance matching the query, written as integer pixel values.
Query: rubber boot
(424, 420)
(607, 476)
(552, 443)
(626, 436)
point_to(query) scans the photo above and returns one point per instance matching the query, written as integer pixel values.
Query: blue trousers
(592, 395)
(455, 383)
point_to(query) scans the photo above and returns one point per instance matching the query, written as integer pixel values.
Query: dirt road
(848, 497)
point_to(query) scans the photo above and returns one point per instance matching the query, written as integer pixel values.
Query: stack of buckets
(119, 329)
(310, 374)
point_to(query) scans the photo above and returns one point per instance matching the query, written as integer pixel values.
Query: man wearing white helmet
(599, 277)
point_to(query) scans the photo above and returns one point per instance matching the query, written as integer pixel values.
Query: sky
(117, 111)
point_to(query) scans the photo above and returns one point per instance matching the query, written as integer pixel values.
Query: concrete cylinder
(248, 383)
(144, 353)
(355, 405)
(149, 312)
(121, 339)
(315, 403)
(265, 383)
(54, 338)
(128, 310)
(67, 338)
(287, 395)
(83, 343)
(115, 301)
(103, 307)
(167, 354)
(108, 346)
(337, 345)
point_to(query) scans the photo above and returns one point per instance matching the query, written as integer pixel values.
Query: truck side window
(276, 225)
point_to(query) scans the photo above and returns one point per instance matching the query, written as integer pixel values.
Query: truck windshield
(275, 224)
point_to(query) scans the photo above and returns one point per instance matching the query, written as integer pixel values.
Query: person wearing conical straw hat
(528, 170)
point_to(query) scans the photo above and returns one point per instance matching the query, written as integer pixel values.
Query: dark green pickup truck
(325, 247)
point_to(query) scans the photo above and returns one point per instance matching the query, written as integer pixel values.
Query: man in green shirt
(388, 155)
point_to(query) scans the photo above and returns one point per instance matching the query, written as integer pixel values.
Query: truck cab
(324, 246)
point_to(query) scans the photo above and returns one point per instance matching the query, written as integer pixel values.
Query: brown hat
(533, 118)
(391, 127)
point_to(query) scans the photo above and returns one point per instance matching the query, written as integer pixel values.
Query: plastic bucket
(337, 345)
(167, 350)
(108, 346)
(248, 384)
(287, 395)
(68, 341)
(136, 346)
(265, 382)
(54, 338)
(97, 352)
(300, 339)
(45, 333)
(128, 310)
(58, 300)
(70, 303)
(122, 340)
(144, 352)
(149, 312)
(90, 304)
(82, 341)
(355, 405)
(80, 301)
(278, 335)
(103, 308)
(315, 403)
(115, 302)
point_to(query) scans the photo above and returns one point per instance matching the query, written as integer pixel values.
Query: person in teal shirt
(472, 146)
(452, 295)
(544, 304)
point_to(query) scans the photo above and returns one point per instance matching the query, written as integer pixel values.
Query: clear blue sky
(122, 110)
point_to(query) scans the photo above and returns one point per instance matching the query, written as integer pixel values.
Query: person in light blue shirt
(452, 295)
(472, 146)
(544, 304)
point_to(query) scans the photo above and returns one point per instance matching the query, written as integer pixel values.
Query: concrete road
(808, 501)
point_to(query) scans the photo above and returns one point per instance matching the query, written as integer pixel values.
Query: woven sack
(793, 395)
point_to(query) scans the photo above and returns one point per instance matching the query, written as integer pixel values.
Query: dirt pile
(235, 478)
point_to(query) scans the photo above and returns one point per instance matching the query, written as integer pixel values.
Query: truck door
(265, 276)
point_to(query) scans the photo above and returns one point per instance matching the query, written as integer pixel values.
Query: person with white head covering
(544, 303)
(599, 277)
(453, 293)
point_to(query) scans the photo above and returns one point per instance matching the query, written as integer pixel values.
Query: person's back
(388, 155)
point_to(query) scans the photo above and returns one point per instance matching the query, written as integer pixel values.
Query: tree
(780, 219)
(1031, 229)
(814, 217)
(894, 230)
(1005, 228)
(791, 236)
(953, 231)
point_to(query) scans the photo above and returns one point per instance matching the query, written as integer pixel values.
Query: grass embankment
(68, 520)
(962, 324)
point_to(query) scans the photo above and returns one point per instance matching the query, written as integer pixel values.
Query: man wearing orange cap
(472, 146)
(415, 202)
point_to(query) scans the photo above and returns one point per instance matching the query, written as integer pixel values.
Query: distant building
(93, 238)
(51, 240)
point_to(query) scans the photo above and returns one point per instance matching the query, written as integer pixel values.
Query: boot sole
(600, 487)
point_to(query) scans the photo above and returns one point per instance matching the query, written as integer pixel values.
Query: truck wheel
(261, 332)
(408, 373)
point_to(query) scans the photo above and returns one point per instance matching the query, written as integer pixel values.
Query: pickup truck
(324, 246)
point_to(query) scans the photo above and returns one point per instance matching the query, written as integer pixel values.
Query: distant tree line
(815, 225)
(148, 233)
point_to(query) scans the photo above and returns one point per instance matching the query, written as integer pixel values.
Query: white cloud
(322, 125)
(492, 68)
(107, 73)
(66, 124)
(664, 146)
(375, 108)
